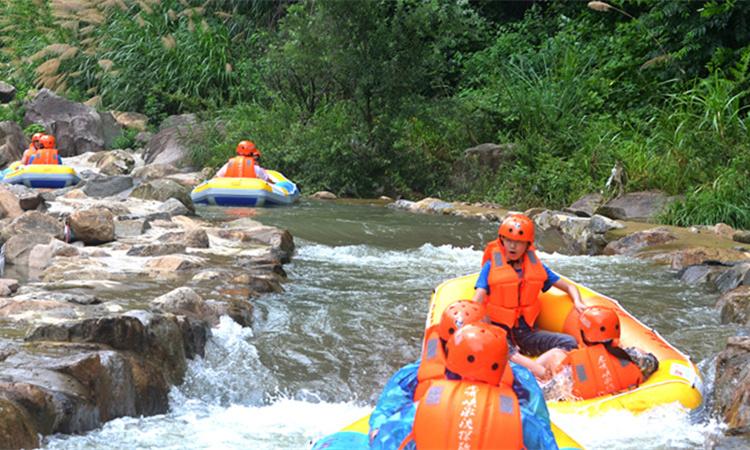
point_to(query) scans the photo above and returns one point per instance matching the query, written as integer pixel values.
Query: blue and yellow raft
(52, 176)
(251, 192)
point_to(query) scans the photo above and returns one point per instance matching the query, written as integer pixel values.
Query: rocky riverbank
(113, 284)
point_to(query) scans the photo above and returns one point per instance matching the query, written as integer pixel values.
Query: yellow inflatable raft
(251, 192)
(677, 379)
(40, 175)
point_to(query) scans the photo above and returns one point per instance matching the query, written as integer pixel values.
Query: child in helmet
(46, 151)
(245, 164)
(33, 147)
(509, 285)
(391, 420)
(601, 366)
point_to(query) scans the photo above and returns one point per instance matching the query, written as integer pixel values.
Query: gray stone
(732, 386)
(162, 190)
(142, 139)
(7, 92)
(185, 302)
(402, 204)
(158, 249)
(586, 206)
(601, 225)
(77, 128)
(701, 273)
(92, 226)
(178, 121)
(154, 171)
(742, 236)
(28, 198)
(491, 155)
(636, 206)
(131, 120)
(12, 142)
(324, 195)
(18, 247)
(33, 222)
(115, 162)
(130, 227)
(735, 305)
(735, 276)
(168, 146)
(171, 207)
(101, 186)
(635, 242)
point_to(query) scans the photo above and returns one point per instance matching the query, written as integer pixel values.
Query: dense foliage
(384, 96)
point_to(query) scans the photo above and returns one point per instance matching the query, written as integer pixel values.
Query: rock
(107, 186)
(162, 190)
(8, 286)
(7, 94)
(491, 155)
(723, 230)
(636, 206)
(531, 213)
(736, 275)
(9, 204)
(259, 283)
(18, 247)
(735, 305)
(142, 139)
(16, 429)
(130, 227)
(78, 128)
(115, 162)
(173, 263)
(12, 142)
(402, 204)
(680, 259)
(154, 171)
(207, 275)
(570, 234)
(701, 273)
(158, 249)
(601, 225)
(732, 385)
(92, 226)
(586, 206)
(741, 236)
(185, 302)
(324, 195)
(434, 205)
(385, 198)
(28, 198)
(41, 255)
(170, 208)
(167, 146)
(131, 120)
(239, 310)
(635, 242)
(196, 238)
(244, 230)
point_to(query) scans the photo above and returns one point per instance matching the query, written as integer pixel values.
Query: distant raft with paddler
(252, 192)
(53, 176)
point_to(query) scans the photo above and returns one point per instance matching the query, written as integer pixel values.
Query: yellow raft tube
(677, 379)
(251, 192)
(52, 176)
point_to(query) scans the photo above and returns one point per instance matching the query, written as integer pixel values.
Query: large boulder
(636, 206)
(185, 302)
(12, 142)
(78, 128)
(491, 155)
(92, 226)
(28, 198)
(154, 171)
(682, 258)
(732, 385)
(324, 195)
(572, 235)
(18, 247)
(131, 120)
(99, 186)
(7, 92)
(735, 305)
(115, 162)
(9, 204)
(736, 275)
(162, 190)
(742, 236)
(168, 146)
(33, 222)
(635, 242)
(586, 206)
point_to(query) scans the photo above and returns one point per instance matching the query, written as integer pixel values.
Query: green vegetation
(384, 96)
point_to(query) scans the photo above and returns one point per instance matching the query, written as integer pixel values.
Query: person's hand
(541, 372)
(373, 433)
(579, 306)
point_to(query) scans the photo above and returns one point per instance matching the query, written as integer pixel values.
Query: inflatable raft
(246, 191)
(40, 175)
(677, 379)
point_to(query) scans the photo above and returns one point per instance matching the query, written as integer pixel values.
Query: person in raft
(33, 147)
(509, 285)
(601, 366)
(393, 417)
(245, 164)
(47, 153)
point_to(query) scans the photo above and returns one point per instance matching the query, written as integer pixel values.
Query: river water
(354, 311)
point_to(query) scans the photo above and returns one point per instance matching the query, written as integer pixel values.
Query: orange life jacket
(597, 372)
(241, 167)
(432, 364)
(511, 297)
(46, 156)
(27, 154)
(466, 415)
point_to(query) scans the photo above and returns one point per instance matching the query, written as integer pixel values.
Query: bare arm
(479, 295)
(572, 291)
(536, 368)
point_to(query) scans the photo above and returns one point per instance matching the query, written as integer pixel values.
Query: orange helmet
(478, 352)
(247, 148)
(599, 324)
(47, 141)
(458, 314)
(35, 139)
(518, 228)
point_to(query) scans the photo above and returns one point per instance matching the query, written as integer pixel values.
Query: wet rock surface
(732, 386)
(103, 327)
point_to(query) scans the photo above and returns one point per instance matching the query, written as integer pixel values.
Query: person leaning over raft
(245, 164)
(393, 416)
(33, 147)
(509, 285)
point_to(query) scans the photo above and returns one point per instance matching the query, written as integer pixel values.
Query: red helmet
(35, 139)
(47, 141)
(457, 315)
(478, 352)
(518, 228)
(599, 324)
(247, 148)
